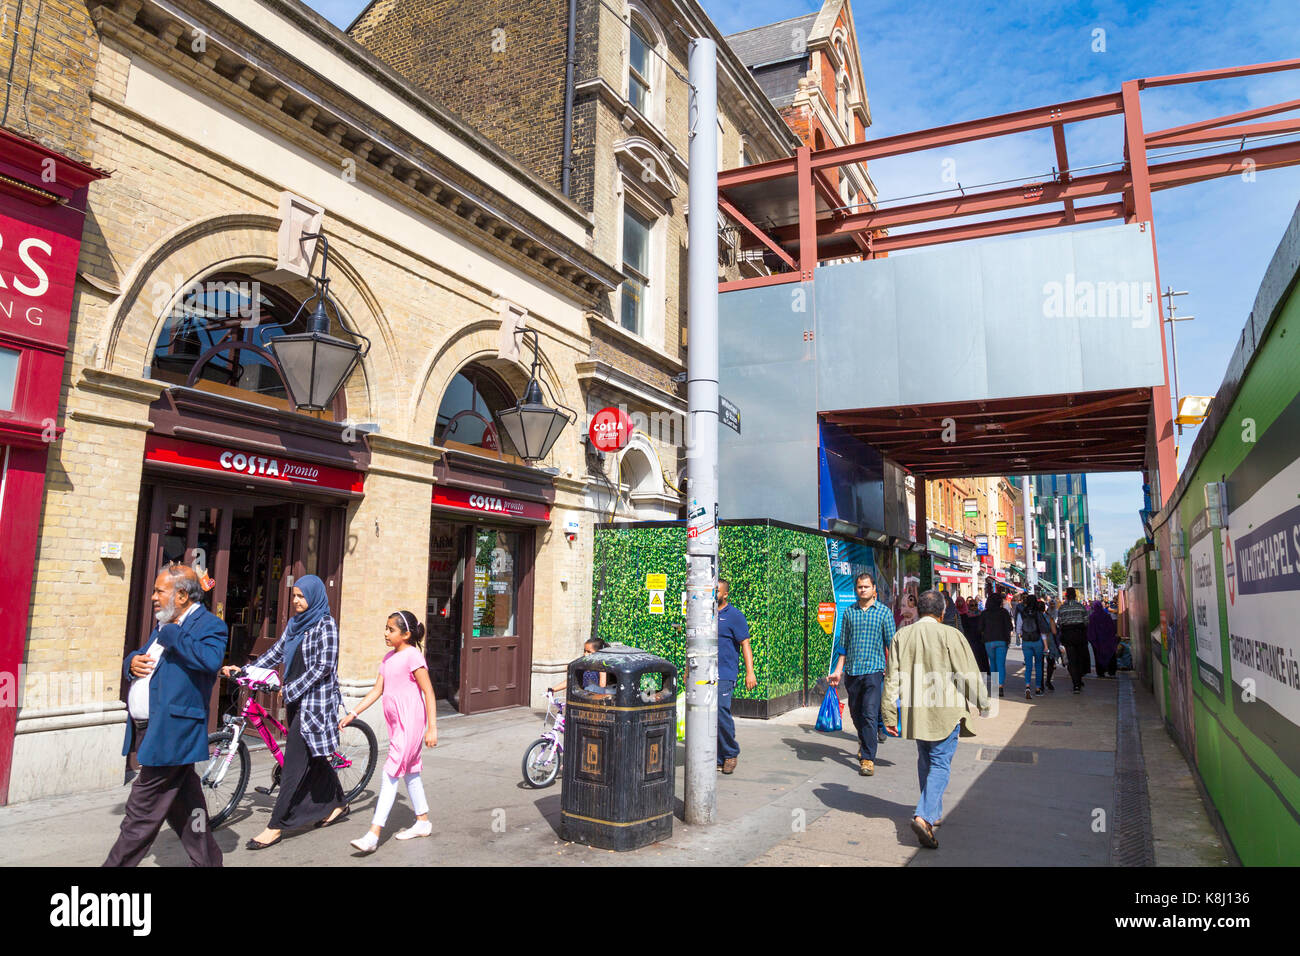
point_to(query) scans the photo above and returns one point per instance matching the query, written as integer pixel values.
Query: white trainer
(422, 828)
(366, 844)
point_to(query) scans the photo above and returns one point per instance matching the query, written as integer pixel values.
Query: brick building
(621, 156)
(811, 69)
(44, 179)
(229, 131)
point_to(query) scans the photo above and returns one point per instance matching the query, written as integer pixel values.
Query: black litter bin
(619, 740)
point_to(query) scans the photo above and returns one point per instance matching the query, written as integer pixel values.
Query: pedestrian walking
(1029, 621)
(865, 634)
(410, 711)
(310, 793)
(733, 644)
(970, 626)
(170, 684)
(1072, 622)
(933, 671)
(1015, 616)
(1103, 639)
(995, 629)
(1048, 625)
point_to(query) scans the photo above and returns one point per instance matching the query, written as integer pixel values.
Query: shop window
(8, 378)
(496, 585)
(467, 415)
(218, 337)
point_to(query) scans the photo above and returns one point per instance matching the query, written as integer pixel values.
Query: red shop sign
(490, 504)
(243, 462)
(610, 429)
(38, 268)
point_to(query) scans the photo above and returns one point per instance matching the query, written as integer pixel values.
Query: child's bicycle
(224, 775)
(542, 758)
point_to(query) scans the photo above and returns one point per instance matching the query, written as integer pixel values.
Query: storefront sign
(489, 504)
(239, 463)
(1205, 606)
(1002, 529)
(981, 545)
(37, 271)
(971, 508)
(610, 429)
(1261, 557)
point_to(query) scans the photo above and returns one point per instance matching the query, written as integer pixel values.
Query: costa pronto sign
(489, 504)
(252, 464)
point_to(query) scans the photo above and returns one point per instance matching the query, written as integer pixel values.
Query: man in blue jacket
(167, 718)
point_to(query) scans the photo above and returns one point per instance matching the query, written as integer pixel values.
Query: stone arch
(476, 342)
(640, 468)
(240, 242)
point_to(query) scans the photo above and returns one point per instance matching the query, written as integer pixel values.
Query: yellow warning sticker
(656, 602)
(656, 582)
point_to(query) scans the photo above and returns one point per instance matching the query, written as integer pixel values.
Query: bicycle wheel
(355, 759)
(541, 763)
(223, 781)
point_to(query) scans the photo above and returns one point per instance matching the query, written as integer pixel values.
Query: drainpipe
(566, 169)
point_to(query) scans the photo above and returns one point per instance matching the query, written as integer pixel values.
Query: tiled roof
(771, 43)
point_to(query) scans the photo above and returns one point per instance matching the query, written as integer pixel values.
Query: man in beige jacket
(931, 668)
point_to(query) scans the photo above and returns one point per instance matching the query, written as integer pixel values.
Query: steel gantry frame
(790, 209)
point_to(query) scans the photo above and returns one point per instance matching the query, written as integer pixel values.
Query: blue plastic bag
(828, 718)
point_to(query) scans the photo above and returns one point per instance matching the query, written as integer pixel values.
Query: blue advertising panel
(848, 559)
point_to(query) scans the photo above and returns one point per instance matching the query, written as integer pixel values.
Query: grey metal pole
(1069, 555)
(702, 441)
(1056, 530)
(1031, 569)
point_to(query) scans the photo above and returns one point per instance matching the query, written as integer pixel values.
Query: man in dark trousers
(1072, 625)
(733, 643)
(865, 635)
(167, 718)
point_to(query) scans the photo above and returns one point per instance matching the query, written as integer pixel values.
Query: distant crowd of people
(1066, 634)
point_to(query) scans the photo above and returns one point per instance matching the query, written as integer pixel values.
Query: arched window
(469, 406)
(645, 74)
(217, 336)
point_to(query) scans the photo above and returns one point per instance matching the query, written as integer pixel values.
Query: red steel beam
(757, 173)
(1224, 120)
(1224, 132)
(1063, 165)
(1203, 76)
(807, 213)
(1001, 227)
(755, 282)
(744, 223)
(1074, 111)
(1200, 168)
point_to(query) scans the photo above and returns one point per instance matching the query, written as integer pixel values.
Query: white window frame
(639, 15)
(656, 282)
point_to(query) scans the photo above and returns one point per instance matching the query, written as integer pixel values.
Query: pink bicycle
(224, 775)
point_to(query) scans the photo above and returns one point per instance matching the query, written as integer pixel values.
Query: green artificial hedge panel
(765, 586)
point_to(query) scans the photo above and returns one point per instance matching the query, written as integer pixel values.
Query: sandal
(254, 845)
(330, 821)
(925, 833)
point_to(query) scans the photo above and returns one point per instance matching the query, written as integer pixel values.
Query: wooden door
(191, 528)
(496, 619)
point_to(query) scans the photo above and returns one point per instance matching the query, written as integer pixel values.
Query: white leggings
(388, 793)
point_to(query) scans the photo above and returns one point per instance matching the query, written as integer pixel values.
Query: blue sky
(932, 62)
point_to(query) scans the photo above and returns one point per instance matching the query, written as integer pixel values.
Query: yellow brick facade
(195, 189)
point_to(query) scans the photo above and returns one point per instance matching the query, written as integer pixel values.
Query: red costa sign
(243, 462)
(490, 504)
(610, 429)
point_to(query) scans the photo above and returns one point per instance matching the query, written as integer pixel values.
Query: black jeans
(864, 706)
(1077, 652)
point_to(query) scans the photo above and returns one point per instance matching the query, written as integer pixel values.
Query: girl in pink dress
(410, 711)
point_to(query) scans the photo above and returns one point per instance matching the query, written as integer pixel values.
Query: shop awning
(949, 576)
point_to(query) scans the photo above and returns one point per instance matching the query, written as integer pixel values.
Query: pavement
(1034, 787)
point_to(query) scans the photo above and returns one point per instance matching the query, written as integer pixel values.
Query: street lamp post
(534, 426)
(314, 363)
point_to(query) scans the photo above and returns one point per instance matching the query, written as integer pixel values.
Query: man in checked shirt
(865, 635)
